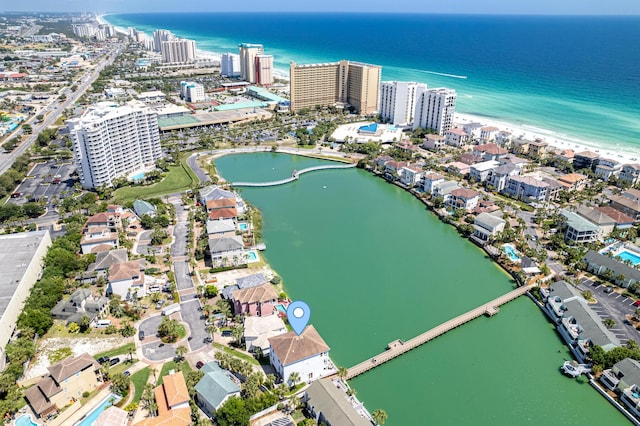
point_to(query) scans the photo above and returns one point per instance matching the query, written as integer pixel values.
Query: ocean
(577, 77)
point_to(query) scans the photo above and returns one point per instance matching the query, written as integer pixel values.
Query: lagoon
(374, 266)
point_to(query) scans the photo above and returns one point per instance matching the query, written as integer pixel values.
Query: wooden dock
(398, 347)
(294, 175)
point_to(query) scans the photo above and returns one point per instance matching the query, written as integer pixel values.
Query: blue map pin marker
(298, 314)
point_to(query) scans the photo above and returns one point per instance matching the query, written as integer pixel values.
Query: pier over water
(398, 347)
(294, 175)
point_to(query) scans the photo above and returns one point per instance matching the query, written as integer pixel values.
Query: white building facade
(248, 53)
(398, 101)
(179, 50)
(435, 109)
(230, 63)
(192, 92)
(111, 141)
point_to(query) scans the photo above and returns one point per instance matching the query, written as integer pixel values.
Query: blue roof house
(216, 386)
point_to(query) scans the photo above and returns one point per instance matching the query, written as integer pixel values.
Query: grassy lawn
(118, 351)
(172, 365)
(139, 379)
(179, 178)
(237, 354)
(122, 366)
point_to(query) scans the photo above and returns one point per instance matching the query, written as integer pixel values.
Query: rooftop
(291, 348)
(216, 384)
(591, 324)
(595, 216)
(326, 398)
(257, 294)
(220, 226)
(578, 223)
(616, 215)
(218, 245)
(618, 268)
(72, 365)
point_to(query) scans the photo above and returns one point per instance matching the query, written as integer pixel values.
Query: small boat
(573, 369)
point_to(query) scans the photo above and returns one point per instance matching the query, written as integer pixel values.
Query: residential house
(554, 188)
(526, 188)
(537, 149)
(98, 239)
(626, 205)
(392, 168)
(489, 151)
(573, 181)
(578, 229)
(458, 167)
(258, 331)
(632, 194)
(622, 220)
(65, 384)
(127, 280)
(623, 275)
(607, 169)
(487, 226)
(520, 163)
(623, 375)
(444, 189)
(433, 142)
(480, 171)
(485, 206)
(463, 198)
(630, 174)
(585, 160)
(172, 400)
(229, 248)
(456, 137)
(503, 138)
(107, 219)
(411, 175)
(565, 155)
(306, 354)
(598, 218)
(214, 192)
(498, 176)
(431, 179)
(520, 145)
(489, 133)
(216, 386)
(221, 228)
(329, 404)
(474, 130)
(382, 160)
(222, 208)
(631, 398)
(241, 283)
(470, 158)
(255, 301)
(142, 207)
(105, 260)
(407, 147)
(81, 303)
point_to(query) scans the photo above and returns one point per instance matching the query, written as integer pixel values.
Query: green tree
(120, 384)
(168, 329)
(609, 323)
(210, 291)
(84, 322)
(379, 416)
(181, 351)
(294, 378)
(342, 373)
(127, 330)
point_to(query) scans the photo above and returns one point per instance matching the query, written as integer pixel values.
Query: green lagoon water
(375, 266)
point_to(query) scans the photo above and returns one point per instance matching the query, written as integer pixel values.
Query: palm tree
(379, 416)
(181, 351)
(294, 378)
(342, 373)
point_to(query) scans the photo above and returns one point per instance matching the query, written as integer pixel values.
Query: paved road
(52, 112)
(612, 305)
(202, 175)
(183, 279)
(192, 315)
(144, 242)
(179, 246)
(158, 351)
(150, 327)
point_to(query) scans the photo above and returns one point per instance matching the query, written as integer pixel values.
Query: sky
(537, 7)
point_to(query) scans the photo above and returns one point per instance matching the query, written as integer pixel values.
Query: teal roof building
(216, 386)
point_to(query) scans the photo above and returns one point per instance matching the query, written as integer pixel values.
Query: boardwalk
(398, 347)
(294, 175)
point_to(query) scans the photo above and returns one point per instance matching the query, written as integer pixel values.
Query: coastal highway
(53, 110)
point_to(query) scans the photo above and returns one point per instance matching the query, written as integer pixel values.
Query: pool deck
(89, 406)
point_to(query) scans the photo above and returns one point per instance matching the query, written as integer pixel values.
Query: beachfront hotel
(230, 65)
(192, 92)
(111, 141)
(435, 109)
(264, 69)
(179, 50)
(335, 83)
(248, 53)
(398, 101)
(160, 36)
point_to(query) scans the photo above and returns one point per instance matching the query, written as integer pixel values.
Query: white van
(103, 323)
(171, 309)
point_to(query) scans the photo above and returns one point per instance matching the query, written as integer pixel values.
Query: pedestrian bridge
(294, 175)
(398, 347)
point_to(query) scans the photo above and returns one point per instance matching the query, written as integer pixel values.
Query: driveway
(144, 241)
(183, 279)
(192, 315)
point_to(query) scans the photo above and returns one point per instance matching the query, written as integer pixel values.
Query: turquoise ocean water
(576, 76)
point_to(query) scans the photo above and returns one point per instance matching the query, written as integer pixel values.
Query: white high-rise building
(435, 109)
(248, 53)
(111, 141)
(159, 36)
(84, 30)
(192, 92)
(179, 50)
(264, 70)
(398, 101)
(230, 63)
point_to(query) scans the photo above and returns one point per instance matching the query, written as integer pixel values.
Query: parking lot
(612, 305)
(40, 183)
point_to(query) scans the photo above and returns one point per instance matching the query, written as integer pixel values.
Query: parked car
(636, 303)
(199, 365)
(114, 361)
(226, 333)
(141, 335)
(126, 373)
(103, 359)
(608, 290)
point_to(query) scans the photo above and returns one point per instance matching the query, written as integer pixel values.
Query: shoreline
(615, 151)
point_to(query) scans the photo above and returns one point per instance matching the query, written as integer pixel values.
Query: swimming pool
(630, 256)
(243, 226)
(511, 252)
(25, 420)
(252, 256)
(95, 413)
(281, 308)
(137, 176)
